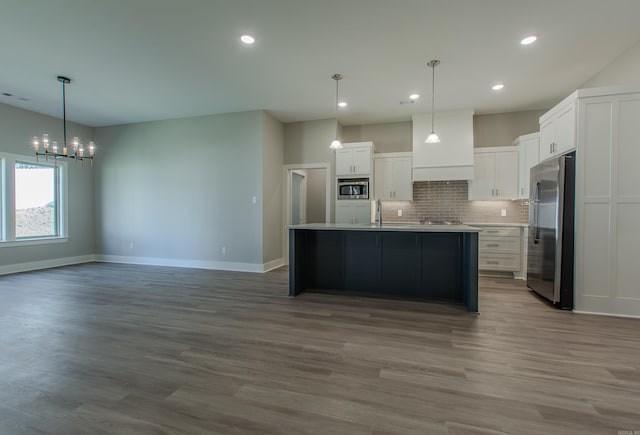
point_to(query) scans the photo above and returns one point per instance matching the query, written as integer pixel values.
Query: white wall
(179, 190)
(17, 128)
(624, 70)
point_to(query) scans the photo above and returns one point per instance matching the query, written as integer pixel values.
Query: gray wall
(308, 142)
(500, 129)
(181, 189)
(624, 70)
(272, 187)
(17, 128)
(387, 137)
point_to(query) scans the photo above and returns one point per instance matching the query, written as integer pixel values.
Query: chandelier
(77, 150)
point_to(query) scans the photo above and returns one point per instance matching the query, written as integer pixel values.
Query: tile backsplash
(448, 200)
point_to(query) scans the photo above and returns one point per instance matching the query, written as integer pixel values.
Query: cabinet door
(362, 160)
(402, 187)
(344, 214)
(547, 139)
(362, 212)
(483, 176)
(506, 175)
(344, 161)
(566, 130)
(383, 179)
(529, 157)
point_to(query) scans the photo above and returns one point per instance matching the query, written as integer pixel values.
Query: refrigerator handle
(536, 203)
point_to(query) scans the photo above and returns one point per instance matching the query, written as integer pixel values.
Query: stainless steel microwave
(353, 188)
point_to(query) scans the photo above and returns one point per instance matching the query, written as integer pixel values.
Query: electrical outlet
(131, 245)
(503, 212)
(223, 250)
(254, 200)
(399, 212)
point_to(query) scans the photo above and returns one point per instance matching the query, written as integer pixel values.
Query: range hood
(452, 158)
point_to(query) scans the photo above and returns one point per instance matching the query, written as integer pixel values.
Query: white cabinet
(495, 174)
(558, 130)
(529, 156)
(607, 236)
(452, 158)
(392, 177)
(499, 248)
(353, 212)
(354, 159)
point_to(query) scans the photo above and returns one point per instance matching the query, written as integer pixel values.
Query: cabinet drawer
(499, 262)
(500, 232)
(500, 245)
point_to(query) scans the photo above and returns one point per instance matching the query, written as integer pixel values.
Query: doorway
(308, 197)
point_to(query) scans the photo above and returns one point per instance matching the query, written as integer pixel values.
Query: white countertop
(391, 226)
(506, 224)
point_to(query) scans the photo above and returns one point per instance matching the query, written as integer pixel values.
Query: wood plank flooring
(119, 349)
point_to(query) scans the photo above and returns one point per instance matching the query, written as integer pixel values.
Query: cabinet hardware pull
(492, 262)
(492, 231)
(492, 245)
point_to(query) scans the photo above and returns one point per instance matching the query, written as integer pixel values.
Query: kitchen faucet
(379, 212)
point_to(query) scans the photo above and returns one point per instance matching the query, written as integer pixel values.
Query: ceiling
(141, 60)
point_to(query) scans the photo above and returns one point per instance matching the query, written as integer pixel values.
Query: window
(32, 200)
(36, 193)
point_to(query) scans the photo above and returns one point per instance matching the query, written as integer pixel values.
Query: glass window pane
(36, 201)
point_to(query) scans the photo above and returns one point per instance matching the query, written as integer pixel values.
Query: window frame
(8, 200)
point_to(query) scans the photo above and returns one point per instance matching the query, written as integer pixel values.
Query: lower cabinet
(499, 249)
(353, 212)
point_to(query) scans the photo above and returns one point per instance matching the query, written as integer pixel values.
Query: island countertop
(392, 226)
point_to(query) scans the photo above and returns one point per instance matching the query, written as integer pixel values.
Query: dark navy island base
(404, 261)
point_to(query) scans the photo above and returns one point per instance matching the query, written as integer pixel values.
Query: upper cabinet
(558, 129)
(354, 159)
(392, 177)
(452, 157)
(495, 175)
(529, 154)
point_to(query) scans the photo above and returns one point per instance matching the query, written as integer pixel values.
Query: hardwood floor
(121, 349)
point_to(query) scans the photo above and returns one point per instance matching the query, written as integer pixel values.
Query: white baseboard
(192, 264)
(45, 264)
(271, 265)
(626, 316)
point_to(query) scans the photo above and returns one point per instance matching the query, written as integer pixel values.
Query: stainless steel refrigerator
(551, 230)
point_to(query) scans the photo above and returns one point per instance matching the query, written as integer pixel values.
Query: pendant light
(433, 137)
(336, 144)
(43, 147)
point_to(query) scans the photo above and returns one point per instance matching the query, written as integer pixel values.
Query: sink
(441, 222)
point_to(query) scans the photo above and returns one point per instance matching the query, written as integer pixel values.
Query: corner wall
(272, 190)
(624, 70)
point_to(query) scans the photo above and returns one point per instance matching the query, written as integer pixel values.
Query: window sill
(30, 242)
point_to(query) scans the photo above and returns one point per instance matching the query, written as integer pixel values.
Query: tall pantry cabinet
(607, 238)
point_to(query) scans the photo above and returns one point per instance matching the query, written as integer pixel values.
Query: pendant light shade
(335, 143)
(433, 136)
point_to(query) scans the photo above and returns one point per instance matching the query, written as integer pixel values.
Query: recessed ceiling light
(497, 86)
(529, 40)
(414, 96)
(342, 104)
(248, 39)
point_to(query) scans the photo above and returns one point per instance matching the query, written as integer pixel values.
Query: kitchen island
(438, 262)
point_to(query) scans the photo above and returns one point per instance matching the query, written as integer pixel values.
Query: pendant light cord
(433, 93)
(64, 115)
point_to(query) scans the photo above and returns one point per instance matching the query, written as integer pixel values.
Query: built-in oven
(353, 188)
